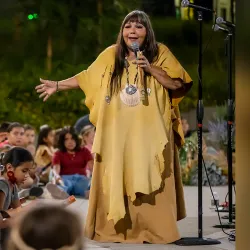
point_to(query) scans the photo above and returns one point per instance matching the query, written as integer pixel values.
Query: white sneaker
(56, 192)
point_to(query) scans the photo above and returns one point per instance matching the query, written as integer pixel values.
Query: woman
(133, 104)
(71, 162)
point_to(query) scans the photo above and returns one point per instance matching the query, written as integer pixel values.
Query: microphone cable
(231, 235)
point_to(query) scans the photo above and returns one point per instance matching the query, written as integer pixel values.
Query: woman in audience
(45, 152)
(70, 163)
(47, 227)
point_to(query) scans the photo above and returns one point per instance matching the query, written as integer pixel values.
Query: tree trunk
(49, 53)
(17, 22)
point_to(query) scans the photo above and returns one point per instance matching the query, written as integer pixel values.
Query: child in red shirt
(70, 163)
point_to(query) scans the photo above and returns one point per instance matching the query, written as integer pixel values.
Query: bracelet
(57, 86)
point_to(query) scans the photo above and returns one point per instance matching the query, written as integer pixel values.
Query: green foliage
(76, 44)
(20, 102)
(218, 134)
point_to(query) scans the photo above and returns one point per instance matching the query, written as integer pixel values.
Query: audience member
(185, 127)
(16, 164)
(29, 136)
(45, 152)
(56, 138)
(15, 136)
(4, 131)
(47, 227)
(70, 163)
(88, 135)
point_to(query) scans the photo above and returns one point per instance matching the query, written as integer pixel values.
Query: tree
(160, 7)
(74, 27)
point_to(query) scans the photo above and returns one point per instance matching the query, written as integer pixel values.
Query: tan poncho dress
(136, 191)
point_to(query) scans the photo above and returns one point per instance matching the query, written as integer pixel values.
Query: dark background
(65, 36)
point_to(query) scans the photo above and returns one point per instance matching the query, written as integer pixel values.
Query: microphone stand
(230, 119)
(191, 241)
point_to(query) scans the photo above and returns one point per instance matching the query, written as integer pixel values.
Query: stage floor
(188, 227)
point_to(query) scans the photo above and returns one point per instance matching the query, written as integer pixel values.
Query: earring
(11, 177)
(2, 168)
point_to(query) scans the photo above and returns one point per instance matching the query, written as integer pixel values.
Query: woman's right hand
(47, 88)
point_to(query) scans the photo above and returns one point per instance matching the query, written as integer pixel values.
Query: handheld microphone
(186, 3)
(216, 27)
(220, 20)
(136, 48)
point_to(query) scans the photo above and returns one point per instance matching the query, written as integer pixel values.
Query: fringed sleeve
(174, 69)
(170, 64)
(92, 80)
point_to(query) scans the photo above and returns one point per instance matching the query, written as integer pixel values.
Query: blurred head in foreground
(47, 227)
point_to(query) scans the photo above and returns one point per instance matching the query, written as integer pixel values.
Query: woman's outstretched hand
(47, 88)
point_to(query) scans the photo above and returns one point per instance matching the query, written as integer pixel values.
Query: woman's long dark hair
(149, 47)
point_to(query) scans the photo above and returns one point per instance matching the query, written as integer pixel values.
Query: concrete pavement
(188, 227)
